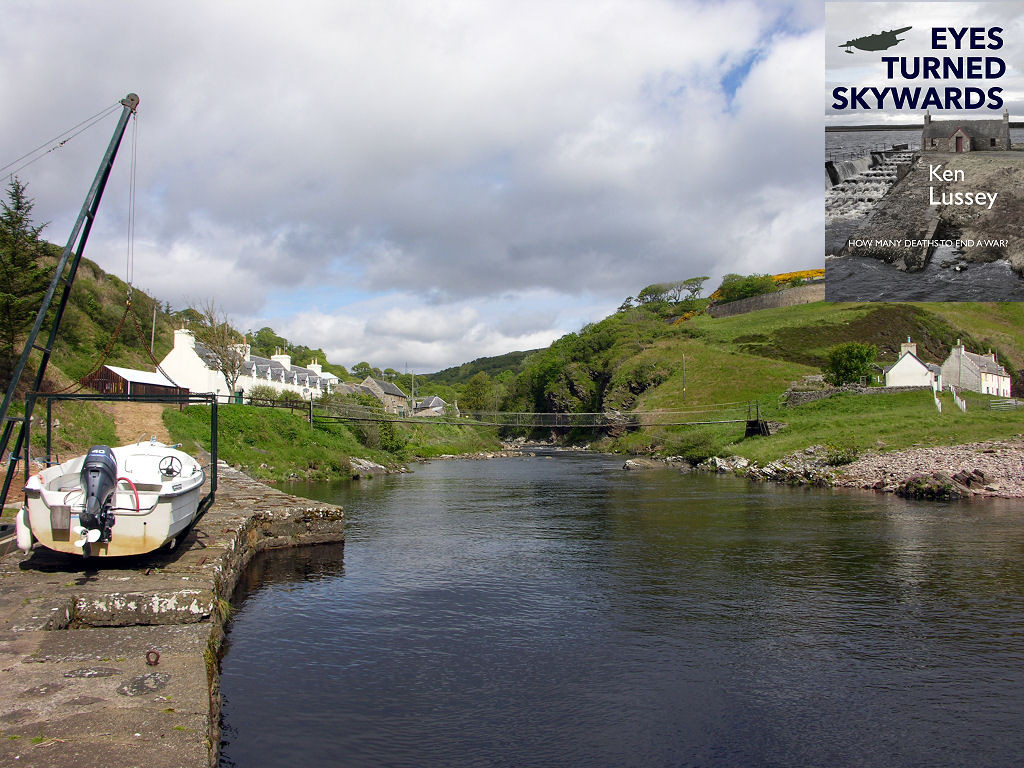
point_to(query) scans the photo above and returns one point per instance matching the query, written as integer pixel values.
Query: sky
(418, 184)
(864, 69)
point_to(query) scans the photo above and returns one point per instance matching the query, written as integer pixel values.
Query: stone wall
(793, 397)
(788, 297)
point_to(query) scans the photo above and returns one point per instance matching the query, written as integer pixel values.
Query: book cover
(924, 161)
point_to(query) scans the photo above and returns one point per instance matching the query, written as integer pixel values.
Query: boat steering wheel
(170, 466)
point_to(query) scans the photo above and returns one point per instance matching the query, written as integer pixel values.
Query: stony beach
(992, 468)
(999, 462)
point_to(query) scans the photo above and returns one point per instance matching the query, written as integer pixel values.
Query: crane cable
(129, 278)
(130, 257)
(61, 139)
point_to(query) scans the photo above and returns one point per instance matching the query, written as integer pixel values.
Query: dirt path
(136, 420)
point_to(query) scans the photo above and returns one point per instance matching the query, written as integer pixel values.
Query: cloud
(456, 156)
(420, 338)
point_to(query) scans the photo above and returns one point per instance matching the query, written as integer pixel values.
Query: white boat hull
(163, 508)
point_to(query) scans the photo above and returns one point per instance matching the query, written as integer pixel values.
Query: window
(933, 142)
(992, 142)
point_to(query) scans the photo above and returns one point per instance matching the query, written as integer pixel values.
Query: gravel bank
(992, 468)
(1000, 461)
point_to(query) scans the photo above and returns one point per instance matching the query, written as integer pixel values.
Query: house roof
(260, 365)
(207, 355)
(930, 366)
(978, 129)
(388, 388)
(432, 402)
(141, 377)
(986, 364)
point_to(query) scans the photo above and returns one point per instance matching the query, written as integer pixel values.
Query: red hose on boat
(134, 490)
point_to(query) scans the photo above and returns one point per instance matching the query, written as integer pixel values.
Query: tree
(849, 363)
(476, 393)
(627, 304)
(23, 280)
(653, 292)
(362, 370)
(694, 286)
(224, 343)
(266, 343)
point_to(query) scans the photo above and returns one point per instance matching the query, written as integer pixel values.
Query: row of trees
(673, 292)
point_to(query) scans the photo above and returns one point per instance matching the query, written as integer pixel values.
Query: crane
(67, 267)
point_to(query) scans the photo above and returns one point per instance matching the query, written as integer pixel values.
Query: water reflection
(561, 611)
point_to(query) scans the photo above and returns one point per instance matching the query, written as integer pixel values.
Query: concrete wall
(788, 297)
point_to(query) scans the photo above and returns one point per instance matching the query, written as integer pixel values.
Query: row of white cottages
(191, 366)
(962, 370)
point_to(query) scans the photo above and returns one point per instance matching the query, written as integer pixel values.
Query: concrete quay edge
(78, 639)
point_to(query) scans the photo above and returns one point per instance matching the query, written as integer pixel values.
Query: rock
(937, 486)
(366, 468)
(634, 464)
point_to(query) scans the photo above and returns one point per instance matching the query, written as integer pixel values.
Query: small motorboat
(128, 500)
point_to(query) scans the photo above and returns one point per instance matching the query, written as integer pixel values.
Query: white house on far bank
(190, 364)
(912, 371)
(978, 373)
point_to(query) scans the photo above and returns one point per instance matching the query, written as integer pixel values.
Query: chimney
(184, 338)
(908, 346)
(927, 118)
(285, 360)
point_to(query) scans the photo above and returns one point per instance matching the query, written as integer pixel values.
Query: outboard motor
(99, 480)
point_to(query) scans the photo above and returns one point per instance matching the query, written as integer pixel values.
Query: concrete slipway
(112, 664)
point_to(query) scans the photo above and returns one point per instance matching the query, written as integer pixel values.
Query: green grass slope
(91, 319)
(646, 359)
(274, 444)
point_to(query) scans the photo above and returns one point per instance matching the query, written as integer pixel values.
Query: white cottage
(912, 371)
(192, 365)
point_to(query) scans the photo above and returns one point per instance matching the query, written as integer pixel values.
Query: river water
(559, 611)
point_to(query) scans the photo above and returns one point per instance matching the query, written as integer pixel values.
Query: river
(559, 611)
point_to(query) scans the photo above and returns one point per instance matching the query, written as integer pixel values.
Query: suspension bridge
(742, 412)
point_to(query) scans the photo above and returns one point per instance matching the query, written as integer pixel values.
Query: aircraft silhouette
(876, 42)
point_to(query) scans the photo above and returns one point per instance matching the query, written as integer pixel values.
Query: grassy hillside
(647, 358)
(275, 445)
(91, 319)
(492, 366)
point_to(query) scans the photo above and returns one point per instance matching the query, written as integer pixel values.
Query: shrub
(735, 287)
(838, 454)
(849, 363)
(262, 394)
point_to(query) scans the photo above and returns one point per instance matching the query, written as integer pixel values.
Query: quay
(106, 664)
